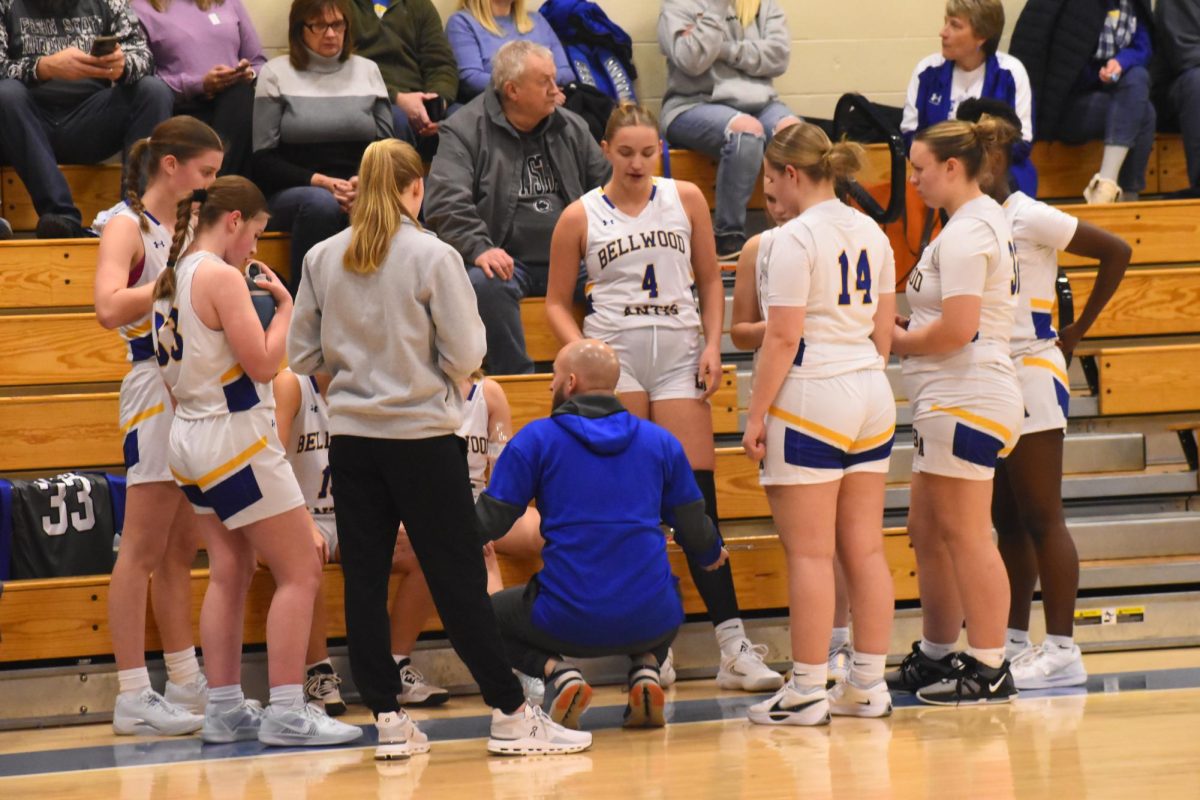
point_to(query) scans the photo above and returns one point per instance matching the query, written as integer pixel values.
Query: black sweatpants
(423, 483)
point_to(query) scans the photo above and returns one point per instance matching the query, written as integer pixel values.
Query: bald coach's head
(587, 366)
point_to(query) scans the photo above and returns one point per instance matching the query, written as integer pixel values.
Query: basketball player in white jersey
(1027, 502)
(967, 413)
(217, 360)
(649, 251)
(181, 155)
(822, 420)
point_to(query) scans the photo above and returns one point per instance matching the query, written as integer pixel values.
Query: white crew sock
(866, 669)
(1061, 642)
(810, 677)
(133, 681)
(225, 698)
(730, 635)
(936, 651)
(988, 656)
(1017, 638)
(1110, 163)
(839, 639)
(182, 666)
(289, 695)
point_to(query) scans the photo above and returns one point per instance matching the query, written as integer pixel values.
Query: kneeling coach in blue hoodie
(603, 479)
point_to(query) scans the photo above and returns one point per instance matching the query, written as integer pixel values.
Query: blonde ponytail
(806, 148)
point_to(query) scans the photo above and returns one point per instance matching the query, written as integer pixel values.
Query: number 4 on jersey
(649, 282)
(862, 278)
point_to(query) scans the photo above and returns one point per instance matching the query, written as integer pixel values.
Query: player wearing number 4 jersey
(648, 247)
(1027, 502)
(822, 420)
(159, 536)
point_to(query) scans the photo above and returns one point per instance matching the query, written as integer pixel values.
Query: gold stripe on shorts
(142, 417)
(1045, 363)
(975, 419)
(845, 442)
(241, 458)
(873, 441)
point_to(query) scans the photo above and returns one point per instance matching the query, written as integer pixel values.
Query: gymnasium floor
(1134, 733)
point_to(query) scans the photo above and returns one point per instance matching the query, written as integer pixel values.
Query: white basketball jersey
(197, 362)
(307, 448)
(156, 243)
(762, 265)
(973, 255)
(474, 430)
(1039, 232)
(639, 269)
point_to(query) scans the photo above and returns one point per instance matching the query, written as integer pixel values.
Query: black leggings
(423, 483)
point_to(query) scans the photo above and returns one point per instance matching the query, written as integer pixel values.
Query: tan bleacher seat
(93, 188)
(1148, 302)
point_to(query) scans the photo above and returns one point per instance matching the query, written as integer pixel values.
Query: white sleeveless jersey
(973, 255)
(834, 262)
(762, 265)
(156, 244)
(307, 448)
(474, 430)
(197, 362)
(639, 269)
(1039, 232)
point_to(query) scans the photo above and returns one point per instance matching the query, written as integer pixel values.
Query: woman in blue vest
(970, 65)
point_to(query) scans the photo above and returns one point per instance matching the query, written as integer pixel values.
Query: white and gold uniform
(640, 292)
(145, 406)
(835, 412)
(224, 452)
(474, 431)
(307, 451)
(1039, 231)
(967, 405)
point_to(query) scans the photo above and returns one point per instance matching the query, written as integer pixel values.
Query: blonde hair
(629, 114)
(807, 149)
(481, 10)
(746, 11)
(388, 168)
(969, 142)
(986, 18)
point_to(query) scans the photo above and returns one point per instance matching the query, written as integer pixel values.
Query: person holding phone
(77, 87)
(209, 53)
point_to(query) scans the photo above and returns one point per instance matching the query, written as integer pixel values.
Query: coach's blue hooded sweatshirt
(602, 479)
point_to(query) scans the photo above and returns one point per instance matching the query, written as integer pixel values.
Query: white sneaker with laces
(1048, 666)
(149, 714)
(191, 696)
(790, 706)
(1101, 190)
(534, 688)
(530, 731)
(415, 691)
(321, 686)
(746, 670)
(399, 737)
(238, 724)
(848, 700)
(1013, 651)
(666, 670)
(839, 665)
(304, 726)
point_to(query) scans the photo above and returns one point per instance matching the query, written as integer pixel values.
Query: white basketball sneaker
(530, 731)
(1049, 666)
(666, 670)
(399, 737)
(191, 696)
(790, 706)
(416, 691)
(304, 726)
(149, 714)
(848, 700)
(839, 665)
(746, 670)
(238, 724)
(534, 688)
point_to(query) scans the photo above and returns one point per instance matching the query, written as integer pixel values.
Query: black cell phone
(436, 109)
(104, 45)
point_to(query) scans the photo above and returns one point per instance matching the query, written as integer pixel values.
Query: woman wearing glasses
(315, 111)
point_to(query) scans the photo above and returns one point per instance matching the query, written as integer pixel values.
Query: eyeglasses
(320, 28)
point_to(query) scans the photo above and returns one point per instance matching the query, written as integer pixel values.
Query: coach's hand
(495, 263)
(720, 562)
(710, 368)
(754, 440)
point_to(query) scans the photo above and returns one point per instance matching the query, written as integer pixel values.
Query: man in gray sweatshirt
(508, 163)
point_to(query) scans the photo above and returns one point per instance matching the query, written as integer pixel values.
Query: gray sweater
(711, 58)
(396, 342)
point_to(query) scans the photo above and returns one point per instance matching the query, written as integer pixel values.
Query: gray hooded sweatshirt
(711, 58)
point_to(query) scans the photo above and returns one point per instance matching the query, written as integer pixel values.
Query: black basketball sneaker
(918, 670)
(971, 683)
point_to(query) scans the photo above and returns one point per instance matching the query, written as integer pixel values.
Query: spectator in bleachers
(510, 161)
(208, 52)
(315, 111)
(971, 65)
(1087, 63)
(406, 40)
(60, 103)
(1178, 30)
(722, 57)
(481, 27)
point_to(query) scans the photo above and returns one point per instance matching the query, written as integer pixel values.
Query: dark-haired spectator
(970, 64)
(510, 161)
(406, 40)
(1087, 62)
(208, 52)
(1178, 30)
(481, 27)
(60, 103)
(315, 111)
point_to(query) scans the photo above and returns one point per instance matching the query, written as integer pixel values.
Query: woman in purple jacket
(481, 27)
(208, 52)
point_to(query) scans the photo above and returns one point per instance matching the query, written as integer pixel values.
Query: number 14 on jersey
(862, 278)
